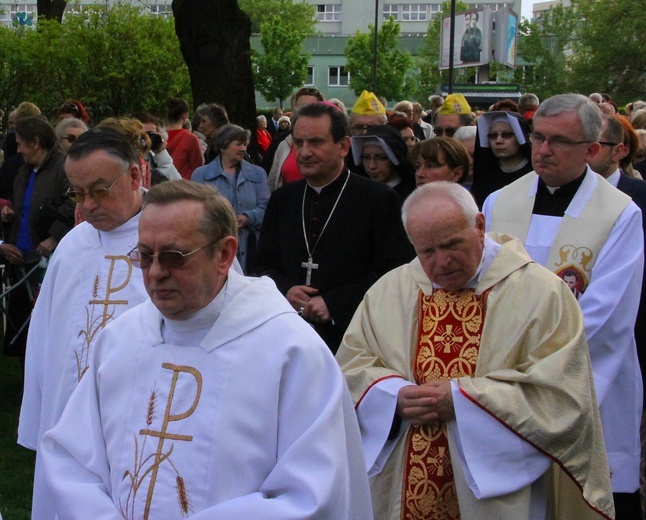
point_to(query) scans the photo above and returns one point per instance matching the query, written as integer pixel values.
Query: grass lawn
(16, 462)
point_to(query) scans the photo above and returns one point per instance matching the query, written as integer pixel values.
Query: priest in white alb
(89, 282)
(589, 233)
(213, 399)
(471, 379)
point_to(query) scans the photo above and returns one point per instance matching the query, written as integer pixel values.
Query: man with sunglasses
(89, 282)
(212, 398)
(454, 113)
(571, 220)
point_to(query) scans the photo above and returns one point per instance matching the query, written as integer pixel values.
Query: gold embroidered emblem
(448, 341)
(575, 267)
(148, 465)
(94, 324)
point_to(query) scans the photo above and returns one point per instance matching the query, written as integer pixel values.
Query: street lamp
(374, 65)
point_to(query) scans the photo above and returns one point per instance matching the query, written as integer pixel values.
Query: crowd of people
(368, 314)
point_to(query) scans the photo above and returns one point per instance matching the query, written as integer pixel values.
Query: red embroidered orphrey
(450, 326)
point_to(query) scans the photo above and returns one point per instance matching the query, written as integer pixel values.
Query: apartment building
(336, 21)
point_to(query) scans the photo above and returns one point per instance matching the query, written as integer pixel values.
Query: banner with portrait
(472, 40)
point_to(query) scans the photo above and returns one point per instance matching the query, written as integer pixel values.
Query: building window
(23, 14)
(414, 12)
(338, 77)
(409, 12)
(328, 12)
(309, 80)
(391, 10)
(164, 10)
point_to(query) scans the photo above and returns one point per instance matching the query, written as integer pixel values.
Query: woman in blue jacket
(243, 184)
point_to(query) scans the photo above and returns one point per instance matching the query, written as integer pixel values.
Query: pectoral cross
(309, 265)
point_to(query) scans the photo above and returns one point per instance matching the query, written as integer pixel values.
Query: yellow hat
(455, 104)
(368, 104)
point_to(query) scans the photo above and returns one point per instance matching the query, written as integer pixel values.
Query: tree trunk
(51, 9)
(214, 40)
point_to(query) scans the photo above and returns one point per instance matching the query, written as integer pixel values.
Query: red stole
(450, 327)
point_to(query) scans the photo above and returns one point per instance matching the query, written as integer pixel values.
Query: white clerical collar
(192, 331)
(318, 189)
(614, 177)
(490, 249)
(129, 227)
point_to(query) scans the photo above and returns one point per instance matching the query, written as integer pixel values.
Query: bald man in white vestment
(472, 381)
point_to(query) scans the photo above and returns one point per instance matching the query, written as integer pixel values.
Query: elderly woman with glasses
(67, 130)
(243, 184)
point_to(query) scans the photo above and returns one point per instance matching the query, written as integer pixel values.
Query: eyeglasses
(606, 143)
(97, 194)
(449, 132)
(381, 158)
(359, 129)
(410, 139)
(70, 138)
(555, 143)
(492, 136)
(167, 259)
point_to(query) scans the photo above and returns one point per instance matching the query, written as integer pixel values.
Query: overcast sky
(527, 9)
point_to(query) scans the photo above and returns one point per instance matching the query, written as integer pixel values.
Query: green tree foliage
(282, 67)
(299, 15)
(609, 48)
(111, 57)
(547, 44)
(392, 63)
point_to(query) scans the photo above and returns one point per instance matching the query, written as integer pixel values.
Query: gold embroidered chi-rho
(101, 308)
(450, 327)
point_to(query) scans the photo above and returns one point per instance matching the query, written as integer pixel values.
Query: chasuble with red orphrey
(450, 328)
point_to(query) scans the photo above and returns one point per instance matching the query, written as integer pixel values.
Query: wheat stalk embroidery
(93, 326)
(147, 467)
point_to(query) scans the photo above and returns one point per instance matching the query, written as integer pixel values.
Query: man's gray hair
(587, 110)
(613, 131)
(444, 190)
(218, 220)
(527, 102)
(67, 123)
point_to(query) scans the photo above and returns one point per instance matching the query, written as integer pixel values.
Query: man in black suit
(326, 239)
(606, 164)
(272, 124)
